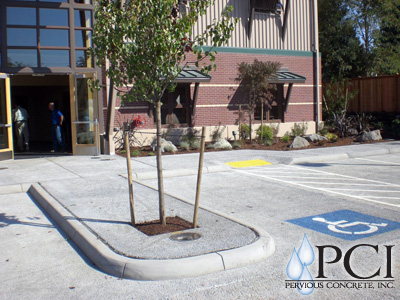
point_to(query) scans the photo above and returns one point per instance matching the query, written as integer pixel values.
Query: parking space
(369, 190)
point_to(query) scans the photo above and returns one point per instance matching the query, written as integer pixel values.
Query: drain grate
(185, 237)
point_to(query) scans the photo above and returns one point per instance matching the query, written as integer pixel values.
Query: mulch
(151, 228)
(279, 145)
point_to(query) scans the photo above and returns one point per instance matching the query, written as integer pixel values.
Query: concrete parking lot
(357, 198)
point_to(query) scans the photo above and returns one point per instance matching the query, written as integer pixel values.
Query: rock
(370, 136)
(299, 142)
(313, 138)
(166, 146)
(222, 144)
(352, 132)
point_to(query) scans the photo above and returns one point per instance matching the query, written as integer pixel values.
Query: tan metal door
(85, 125)
(6, 137)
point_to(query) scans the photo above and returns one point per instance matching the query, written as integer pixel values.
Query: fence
(376, 94)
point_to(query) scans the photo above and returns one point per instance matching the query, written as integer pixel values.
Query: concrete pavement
(89, 193)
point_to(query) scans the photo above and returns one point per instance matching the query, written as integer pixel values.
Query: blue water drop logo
(294, 268)
(306, 283)
(306, 252)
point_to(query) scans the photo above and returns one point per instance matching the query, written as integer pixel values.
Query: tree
(147, 44)
(365, 17)
(341, 50)
(388, 38)
(255, 79)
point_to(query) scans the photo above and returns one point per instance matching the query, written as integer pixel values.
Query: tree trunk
(262, 122)
(159, 165)
(250, 127)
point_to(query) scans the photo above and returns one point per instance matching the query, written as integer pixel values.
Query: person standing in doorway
(57, 119)
(20, 118)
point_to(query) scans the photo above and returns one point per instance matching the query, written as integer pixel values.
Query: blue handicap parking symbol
(347, 224)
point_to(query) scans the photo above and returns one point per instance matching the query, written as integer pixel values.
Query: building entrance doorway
(34, 93)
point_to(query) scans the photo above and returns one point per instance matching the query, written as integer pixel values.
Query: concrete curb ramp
(149, 269)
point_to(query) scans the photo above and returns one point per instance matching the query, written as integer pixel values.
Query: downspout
(316, 68)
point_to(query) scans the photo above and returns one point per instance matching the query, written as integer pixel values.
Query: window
(45, 34)
(22, 58)
(53, 17)
(273, 111)
(83, 38)
(55, 58)
(268, 6)
(175, 108)
(21, 37)
(21, 16)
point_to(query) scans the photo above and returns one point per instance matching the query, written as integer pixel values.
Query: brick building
(44, 59)
(278, 31)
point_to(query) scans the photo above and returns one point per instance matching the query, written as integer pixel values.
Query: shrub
(244, 131)
(150, 154)
(323, 130)
(196, 145)
(396, 128)
(299, 129)
(184, 146)
(267, 134)
(331, 137)
(190, 136)
(216, 134)
(122, 151)
(286, 137)
(135, 153)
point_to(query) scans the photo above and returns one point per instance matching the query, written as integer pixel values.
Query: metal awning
(189, 75)
(284, 76)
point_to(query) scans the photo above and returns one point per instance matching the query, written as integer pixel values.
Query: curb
(179, 172)
(318, 159)
(343, 155)
(150, 269)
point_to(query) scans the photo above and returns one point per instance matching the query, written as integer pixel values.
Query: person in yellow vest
(20, 118)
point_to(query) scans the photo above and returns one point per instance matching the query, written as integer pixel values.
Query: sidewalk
(88, 198)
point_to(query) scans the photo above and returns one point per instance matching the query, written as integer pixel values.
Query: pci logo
(301, 279)
(297, 268)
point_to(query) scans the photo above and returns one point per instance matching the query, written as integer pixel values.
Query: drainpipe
(316, 67)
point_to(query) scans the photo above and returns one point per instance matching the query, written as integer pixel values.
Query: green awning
(284, 76)
(189, 75)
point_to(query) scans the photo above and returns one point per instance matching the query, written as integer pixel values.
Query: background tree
(388, 38)
(255, 79)
(146, 43)
(365, 17)
(340, 47)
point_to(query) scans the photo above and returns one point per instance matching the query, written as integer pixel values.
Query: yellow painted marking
(248, 163)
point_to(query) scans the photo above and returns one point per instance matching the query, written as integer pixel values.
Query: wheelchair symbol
(334, 226)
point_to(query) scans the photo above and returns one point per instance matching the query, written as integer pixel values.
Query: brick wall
(218, 100)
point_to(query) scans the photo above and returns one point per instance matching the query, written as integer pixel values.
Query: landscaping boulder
(222, 144)
(313, 138)
(352, 132)
(166, 146)
(370, 136)
(299, 142)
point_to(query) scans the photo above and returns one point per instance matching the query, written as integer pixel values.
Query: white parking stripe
(346, 176)
(317, 188)
(379, 161)
(372, 191)
(341, 183)
(397, 198)
(330, 183)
